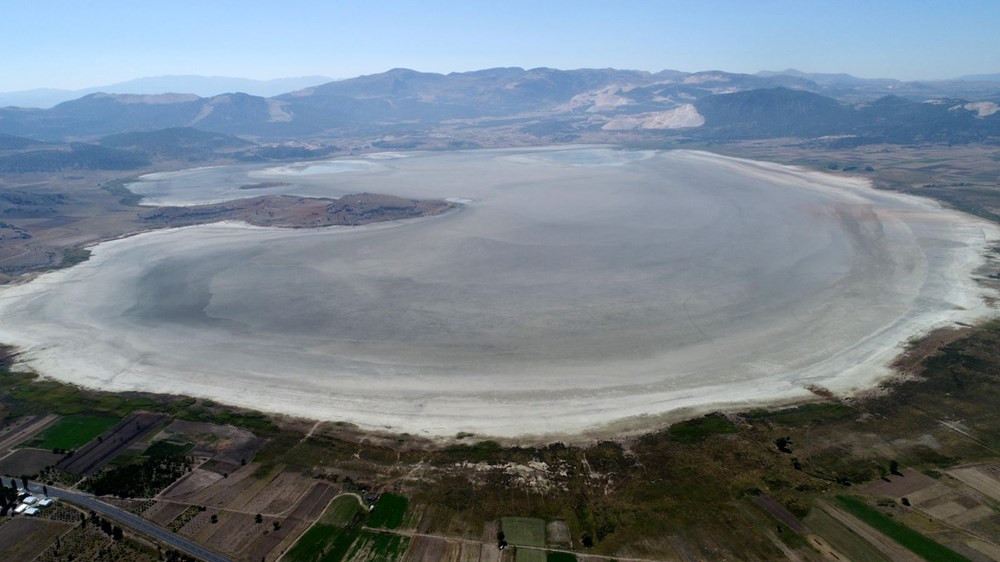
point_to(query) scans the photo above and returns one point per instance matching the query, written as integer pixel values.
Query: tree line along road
(132, 521)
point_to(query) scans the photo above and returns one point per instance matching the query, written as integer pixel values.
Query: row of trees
(109, 529)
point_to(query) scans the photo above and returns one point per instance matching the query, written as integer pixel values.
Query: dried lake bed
(576, 287)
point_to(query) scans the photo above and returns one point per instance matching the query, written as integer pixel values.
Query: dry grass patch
(28, 461)
(22, 538)
(985, 479)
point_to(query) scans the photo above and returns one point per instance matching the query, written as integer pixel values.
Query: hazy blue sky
(74, 43)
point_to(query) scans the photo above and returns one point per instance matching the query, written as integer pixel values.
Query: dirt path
(311, 431)
(954, 427)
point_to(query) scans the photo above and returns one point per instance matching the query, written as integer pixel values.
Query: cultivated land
(72, 432)
(469, 310)
(814, 482)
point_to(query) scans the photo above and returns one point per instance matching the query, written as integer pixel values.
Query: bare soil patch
(780, 513)
(984, 478)
(22, 538)
(426, 548)
(28, 461)
(471, 552)
(163, 513)
(900, 485)
(280, 494)
(194, 482)
(308, 510)
(219, 493)
(557, 534)
(234, 532)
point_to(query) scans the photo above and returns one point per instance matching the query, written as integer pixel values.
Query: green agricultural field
(73, 432)
(919, 544)
(529, 555)
(378, 547)
(341, 511)
(322, 543)
(168, 449)
(524, 531)
(389, 512)
(559, 557)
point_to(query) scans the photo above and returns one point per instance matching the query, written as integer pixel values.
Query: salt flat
(577, 287)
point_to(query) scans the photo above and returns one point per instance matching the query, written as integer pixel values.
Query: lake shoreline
(620, 411)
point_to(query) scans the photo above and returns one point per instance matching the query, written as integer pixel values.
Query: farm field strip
(298, 521)
(72, 432)
(218, 494)
(978, 479)
(23, 538)
(256, 487)
(529, 555)
(280, 495)
(163, 512)
(389, 512)
(321, 542)
(185, 504)
(524, 531)
(234, 532)
(25, 429)
(103, 448)
(887, 547)
(841, 537)
(378, 546)
(904, 535)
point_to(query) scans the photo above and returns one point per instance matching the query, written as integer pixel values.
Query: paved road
(135, 522)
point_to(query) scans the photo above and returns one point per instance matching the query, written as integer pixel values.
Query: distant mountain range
(981, 78)
(204, 86)
(134, 150)
(19, 155)
(550, 105)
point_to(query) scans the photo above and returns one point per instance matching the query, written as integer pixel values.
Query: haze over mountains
(399, 107)
(189, 84)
